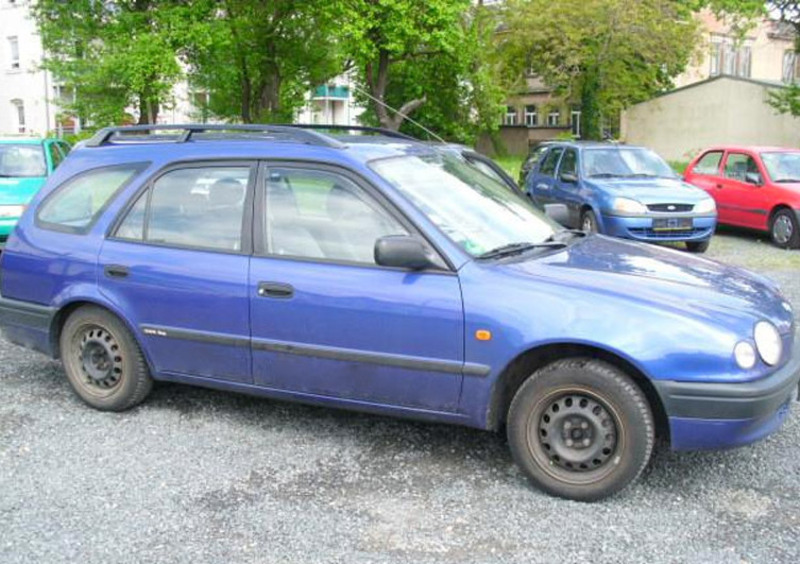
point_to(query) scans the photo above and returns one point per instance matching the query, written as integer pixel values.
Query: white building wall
(28, 83)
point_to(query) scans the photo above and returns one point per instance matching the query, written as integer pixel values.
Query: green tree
(381, 36)
(258, 58)
(114, 54)
(460, 87)
(605, 53)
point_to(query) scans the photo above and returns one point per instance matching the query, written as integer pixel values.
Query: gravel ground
(201, 476)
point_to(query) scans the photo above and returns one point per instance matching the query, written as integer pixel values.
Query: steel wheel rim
(98, 359)
(782, 229)
(577, 462)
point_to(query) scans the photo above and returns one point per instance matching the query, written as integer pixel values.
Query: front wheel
(697, 246)
(589, 222)
(102, 360)
(580, 429)
(784, 230)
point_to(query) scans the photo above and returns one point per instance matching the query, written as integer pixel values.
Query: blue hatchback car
(622, 191)
(382, 275)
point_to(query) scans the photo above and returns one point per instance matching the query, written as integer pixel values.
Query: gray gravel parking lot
(203, 476)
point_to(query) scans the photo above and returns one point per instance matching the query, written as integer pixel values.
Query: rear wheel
(784, 229)
(580, 429)
(697, 246)
(589, 222)
(102, 360)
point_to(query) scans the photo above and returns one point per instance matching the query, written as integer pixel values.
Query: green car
(25, 163)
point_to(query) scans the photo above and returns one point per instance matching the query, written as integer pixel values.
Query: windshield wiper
(604, 175)
(517, 248)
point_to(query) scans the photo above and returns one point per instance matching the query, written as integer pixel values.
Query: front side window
(320, 214)
(782, 166)
(473, 210)
(739, 165)
(55, 154)
(549, 163)
(21, 160)
(709, 163)
(199, 208)
(74, 206)
(624, 162)
(569, 164)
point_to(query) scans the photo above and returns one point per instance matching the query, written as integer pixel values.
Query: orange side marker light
(483, 335)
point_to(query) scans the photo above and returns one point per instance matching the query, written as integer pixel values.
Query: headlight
(768, 342)
(626, 205)
(745, 355)
(705, 206)
(11, 211)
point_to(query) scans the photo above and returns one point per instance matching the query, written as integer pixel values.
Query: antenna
(404, 116)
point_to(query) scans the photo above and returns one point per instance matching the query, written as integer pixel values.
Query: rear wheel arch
(524, 365)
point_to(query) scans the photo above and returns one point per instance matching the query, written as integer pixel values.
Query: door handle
(719, 185)
(116, 271)
(275, 290)
(543, 186)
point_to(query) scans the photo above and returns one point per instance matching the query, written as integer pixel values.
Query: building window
(727, 59)
(13, 49)
(554, 118)
(575, 122)
(18, 110)
(531, 117)
(511, 116)
(791, 66)
(743, 57)
(715, 58)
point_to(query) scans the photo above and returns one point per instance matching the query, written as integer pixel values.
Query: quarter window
(76, 204)
(550, 161)
(323, 215)
(192, 207)
(709, 163)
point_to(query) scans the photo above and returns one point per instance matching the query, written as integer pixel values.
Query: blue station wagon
(622, 191)
(382, 275)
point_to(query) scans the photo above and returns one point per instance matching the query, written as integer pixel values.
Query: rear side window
(709, 164)
(199, 208)
(550, 161)
(74, 206)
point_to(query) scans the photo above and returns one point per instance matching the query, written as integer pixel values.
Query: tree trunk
(591, 128)
(377, 82)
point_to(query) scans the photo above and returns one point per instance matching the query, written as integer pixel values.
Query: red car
(754, 187)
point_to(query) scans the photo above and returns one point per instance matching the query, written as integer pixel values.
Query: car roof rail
(131, 134)
(363, 128)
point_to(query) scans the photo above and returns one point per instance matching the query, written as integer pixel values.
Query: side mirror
(569, 177)
(753, 178)
(557, 212)
(402, 251)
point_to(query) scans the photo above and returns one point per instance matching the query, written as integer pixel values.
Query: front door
(740, 198)
(542, 180)
(326, 320)
(567, 191)
(177, 266)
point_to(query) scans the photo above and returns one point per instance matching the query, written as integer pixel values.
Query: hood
(663, 277)
(650, 190)
(19, 190)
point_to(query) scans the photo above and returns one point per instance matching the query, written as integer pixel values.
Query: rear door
(542, 180)
(741, 200)
(176, 265)
(326, 320)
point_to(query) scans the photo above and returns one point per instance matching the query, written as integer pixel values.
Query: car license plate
(672, 223)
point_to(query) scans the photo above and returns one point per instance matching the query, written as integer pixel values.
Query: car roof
(21, 140)
(751, 148)
(592, 145)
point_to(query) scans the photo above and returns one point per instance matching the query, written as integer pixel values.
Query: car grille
(667, 235)
(670, 207)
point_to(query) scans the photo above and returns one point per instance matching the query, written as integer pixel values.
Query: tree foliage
(114, 55)
(606, 54)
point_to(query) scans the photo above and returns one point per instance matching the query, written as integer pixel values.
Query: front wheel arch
(526, 363)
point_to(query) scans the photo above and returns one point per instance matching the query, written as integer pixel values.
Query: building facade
(332, 103)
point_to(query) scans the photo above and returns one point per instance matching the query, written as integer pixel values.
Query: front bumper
(641, 228)
(723, 415)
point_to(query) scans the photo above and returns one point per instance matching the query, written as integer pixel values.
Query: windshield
(782, 167)
(21, 160)
(625, 162)
(474, 210)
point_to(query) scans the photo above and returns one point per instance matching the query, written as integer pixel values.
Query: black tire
(698, 246)
(102, 360)
(589, 222)
(580, 429)
(784, 229)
